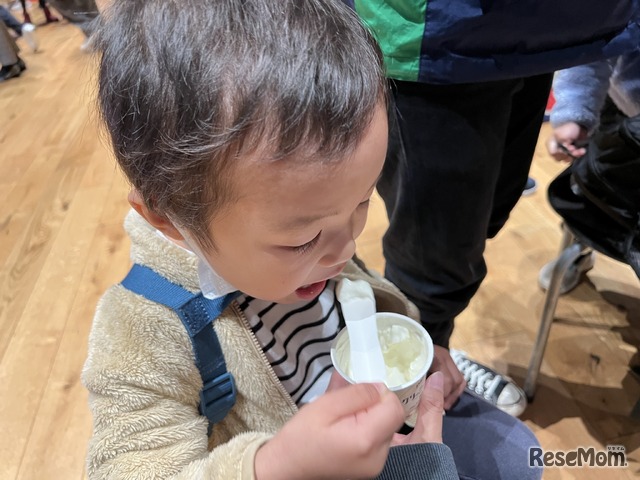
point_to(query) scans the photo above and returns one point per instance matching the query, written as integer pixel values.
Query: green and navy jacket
(461, 41)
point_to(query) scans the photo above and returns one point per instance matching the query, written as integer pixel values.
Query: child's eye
(306, 247)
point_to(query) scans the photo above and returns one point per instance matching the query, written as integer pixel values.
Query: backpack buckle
(217, 397)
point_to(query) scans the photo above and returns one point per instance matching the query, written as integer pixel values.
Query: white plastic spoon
(359, 310)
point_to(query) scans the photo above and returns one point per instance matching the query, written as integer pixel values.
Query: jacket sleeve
(143, 393)
(424, 461)
(580, 93)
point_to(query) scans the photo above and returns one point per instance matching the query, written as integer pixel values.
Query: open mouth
(311, 291)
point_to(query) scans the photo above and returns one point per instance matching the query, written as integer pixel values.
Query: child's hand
(346, 433)
(565, 143)
(453, 380)
(428, 428)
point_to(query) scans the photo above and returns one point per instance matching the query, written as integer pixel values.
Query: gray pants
(488, 444)
(9, 20)
(8, 48)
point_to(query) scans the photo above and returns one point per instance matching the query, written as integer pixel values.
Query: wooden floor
(62, 202)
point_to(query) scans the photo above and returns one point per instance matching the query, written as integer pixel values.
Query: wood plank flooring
(62, 202)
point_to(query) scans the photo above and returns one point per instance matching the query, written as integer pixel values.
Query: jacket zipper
(236, 308)
(256, 344)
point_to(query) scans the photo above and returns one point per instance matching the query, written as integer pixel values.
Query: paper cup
(410, 391)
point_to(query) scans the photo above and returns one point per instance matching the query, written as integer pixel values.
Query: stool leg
(567, 239)
(566, 259)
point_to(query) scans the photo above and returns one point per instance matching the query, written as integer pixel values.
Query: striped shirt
(296, 340)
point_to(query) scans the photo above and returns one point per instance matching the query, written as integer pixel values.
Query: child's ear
(158, 221)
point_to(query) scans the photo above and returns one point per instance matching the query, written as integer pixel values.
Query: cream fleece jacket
(144, 385)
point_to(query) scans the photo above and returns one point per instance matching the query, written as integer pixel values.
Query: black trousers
(458, 160)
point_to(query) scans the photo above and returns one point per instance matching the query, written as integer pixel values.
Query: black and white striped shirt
(296, 340)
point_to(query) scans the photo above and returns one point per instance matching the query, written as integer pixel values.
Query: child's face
(294, 226)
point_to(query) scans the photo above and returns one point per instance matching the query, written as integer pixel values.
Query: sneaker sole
(574, 276)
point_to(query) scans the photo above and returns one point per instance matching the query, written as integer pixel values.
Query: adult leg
(27, 18)
(522, 136)
(10, 21)
(488, 444)
(12, 64)
(47, 13)
(438, 184)
(8, 48)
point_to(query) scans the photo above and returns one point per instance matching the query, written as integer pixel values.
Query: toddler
(253, 134)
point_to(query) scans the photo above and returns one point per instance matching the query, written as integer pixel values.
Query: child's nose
(338, 253)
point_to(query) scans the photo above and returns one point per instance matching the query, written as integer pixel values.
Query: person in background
(581, 95)
(50, 18)
(24, 30)
(590, 99)
(10, 21)
(12, 64)
(470, 82)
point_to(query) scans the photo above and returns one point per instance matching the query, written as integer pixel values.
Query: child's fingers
(347, 430)
(428, 428)
(336, 381)
(367, 410)
(552, 146)
(383, 418)
(579, 152)
(573, 152)
(558, 151)
(350, 399)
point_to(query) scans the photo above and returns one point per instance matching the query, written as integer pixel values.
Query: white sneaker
(487, 384)
(574, 275)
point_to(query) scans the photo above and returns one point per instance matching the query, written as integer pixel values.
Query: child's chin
(289, 299)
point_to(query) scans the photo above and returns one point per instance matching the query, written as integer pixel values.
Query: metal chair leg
(567, 239)
(569, 255)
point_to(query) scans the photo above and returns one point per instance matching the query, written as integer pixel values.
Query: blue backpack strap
(218, 394)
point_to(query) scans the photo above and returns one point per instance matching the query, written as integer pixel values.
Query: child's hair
(186, 87)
